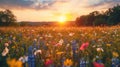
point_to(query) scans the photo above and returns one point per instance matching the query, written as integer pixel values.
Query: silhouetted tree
(7, 18)
(114, 15)
(80, 21)
(109, 17)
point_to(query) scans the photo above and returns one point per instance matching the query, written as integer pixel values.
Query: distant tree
(7, 18)
(113, 15)
(80, 21)
(109, 17)
(23, 23)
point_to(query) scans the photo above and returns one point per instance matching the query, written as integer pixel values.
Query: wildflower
(14, 38)
(37, 51)
(71, 34)
(41, 37)
(97, 56)
(108, 45)
(84, 45)
(13, 47)
(5, 51)
(48, 62)
(98, 64)
(99, 49)
(35, 40)
(68, 45)
(59, 53)
(99, 39)
(115, 62)
(61, 41)
(115, 54)
(14, 63)
(68, 62)
(23, 59)
(94, 46)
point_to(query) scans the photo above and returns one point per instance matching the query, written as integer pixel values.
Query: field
(62, 46)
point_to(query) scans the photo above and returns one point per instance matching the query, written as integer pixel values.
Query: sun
(62, 19)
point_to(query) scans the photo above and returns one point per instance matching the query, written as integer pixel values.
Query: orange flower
(59, 53)
(68, 62)
(14, 63)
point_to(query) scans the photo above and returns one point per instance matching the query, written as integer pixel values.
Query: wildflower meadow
(60, 46)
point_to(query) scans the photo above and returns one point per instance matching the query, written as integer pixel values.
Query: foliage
(7, 18)
(96, 18)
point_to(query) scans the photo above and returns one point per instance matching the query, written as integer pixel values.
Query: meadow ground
(62, 46)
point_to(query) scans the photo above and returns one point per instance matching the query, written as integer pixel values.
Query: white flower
(5, 51)
(95, 34)
(23, 59)
(99, 49)
(41, 37)
(82, 35)
(97, 56)
(93, 46)
(14, 38)
(37, 51)
(71, 34)
(100, 39)
(61, 41)
(35, 39)
(68, 45)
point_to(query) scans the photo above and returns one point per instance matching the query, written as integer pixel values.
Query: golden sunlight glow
(62, 19)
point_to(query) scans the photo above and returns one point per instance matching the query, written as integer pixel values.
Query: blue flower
(30, 49)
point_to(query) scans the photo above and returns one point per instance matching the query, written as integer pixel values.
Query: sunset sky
(52, 10)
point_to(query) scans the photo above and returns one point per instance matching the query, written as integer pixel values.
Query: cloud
(51, 9)
(54, 4)
(8, 4)
(28, 4)
(97, 3)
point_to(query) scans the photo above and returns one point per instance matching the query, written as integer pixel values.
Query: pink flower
(58, 44)
(98, 64)
(84, 46)
(48, 62)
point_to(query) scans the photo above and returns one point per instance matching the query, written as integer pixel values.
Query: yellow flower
(108, 45)
(115, 54)
(14, 63)
(59, 53)
(68, 62)
(13, 47)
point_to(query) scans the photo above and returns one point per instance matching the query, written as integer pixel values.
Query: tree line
(96, 18)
